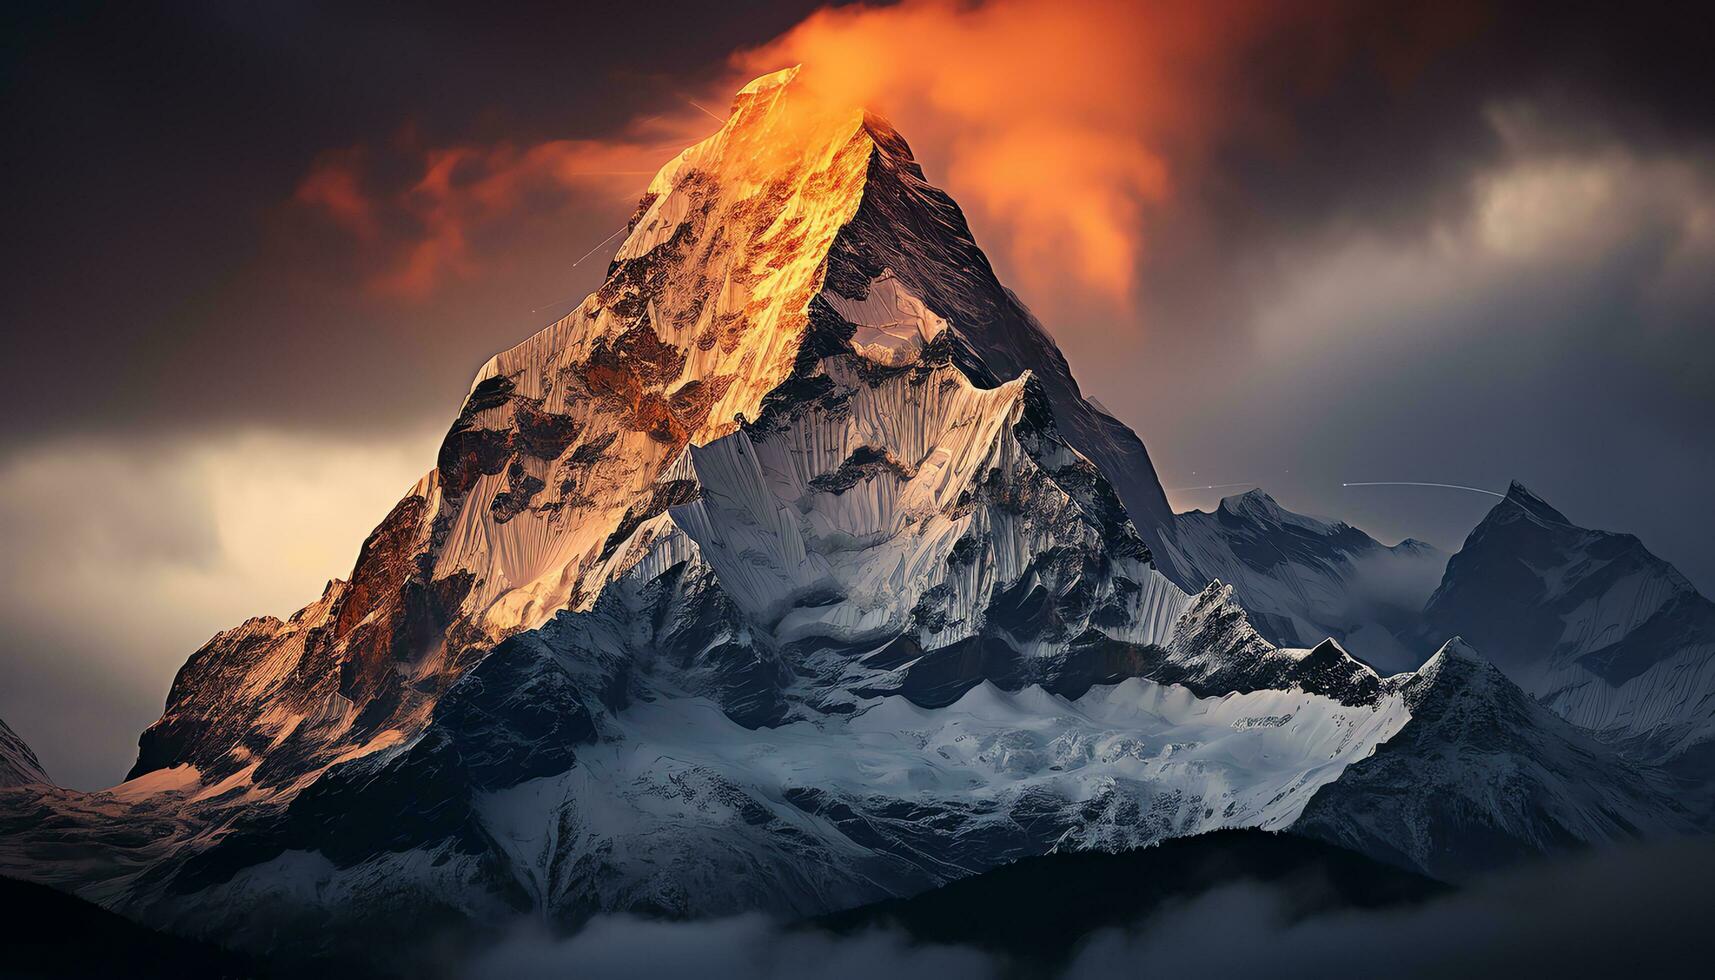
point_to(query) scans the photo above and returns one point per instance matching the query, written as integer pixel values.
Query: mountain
(790, 571)
(793, 271)
(1302, 579)
(1485, 776)
(18, 765)
(1606, 634)
(1036, 911)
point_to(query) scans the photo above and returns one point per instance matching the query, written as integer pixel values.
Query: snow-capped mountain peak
(1456, 649)
(772, 80)
(1257, 504)
(1527, 500)
(1458, 669)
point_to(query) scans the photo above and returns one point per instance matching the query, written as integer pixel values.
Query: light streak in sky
(707, 112)
(598, 245)
(1212, 486)
(1413, 483)
(556, 303)
(1531, 516)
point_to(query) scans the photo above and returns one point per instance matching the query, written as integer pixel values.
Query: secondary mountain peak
(1457, 666)
(1255, 501)
(1301, 579)
(1457, 649)
(1451, 795)
(1522, 496)
(1603, 631)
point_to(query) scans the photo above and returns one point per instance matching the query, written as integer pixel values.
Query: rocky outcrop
(18, 765)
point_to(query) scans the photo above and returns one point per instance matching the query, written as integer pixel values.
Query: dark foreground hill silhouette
(1036, 911)
(50, 934)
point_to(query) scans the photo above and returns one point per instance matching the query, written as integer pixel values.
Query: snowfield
(678, 784)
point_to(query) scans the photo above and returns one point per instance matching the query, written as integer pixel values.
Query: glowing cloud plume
(1056, 122)
(422, 236)
(1064, 126)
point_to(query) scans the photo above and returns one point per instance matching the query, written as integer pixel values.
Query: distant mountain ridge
(1591, 623)
(1302, 579)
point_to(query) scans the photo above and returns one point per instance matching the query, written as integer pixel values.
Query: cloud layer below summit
(1558, 918)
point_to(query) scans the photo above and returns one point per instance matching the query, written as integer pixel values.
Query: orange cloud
(420, 238)
(1064, 126)
(333, 186)
(1059, 122)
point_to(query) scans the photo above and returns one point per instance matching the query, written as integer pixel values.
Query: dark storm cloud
(159, 275)
(1393, 119)
(1552, 328)
(1636, 911)
(151, 152)
(1340, 302)
(1376, 118)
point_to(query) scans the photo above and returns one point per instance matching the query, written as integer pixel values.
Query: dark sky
(1292, 244)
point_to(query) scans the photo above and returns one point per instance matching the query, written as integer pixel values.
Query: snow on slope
(671, 807)
(1609, 636)
(799, 450)
(1302, 579)
(18, 765)
(679, 811)
(554, 461)
(897, 797)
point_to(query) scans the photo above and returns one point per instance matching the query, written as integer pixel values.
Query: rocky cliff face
(18, 765)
